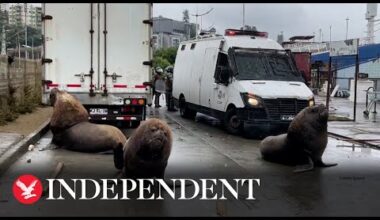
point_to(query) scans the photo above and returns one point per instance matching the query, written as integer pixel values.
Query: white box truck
(246, 80)
(101, 53)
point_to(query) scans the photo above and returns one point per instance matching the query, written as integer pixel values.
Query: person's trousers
(157, 98)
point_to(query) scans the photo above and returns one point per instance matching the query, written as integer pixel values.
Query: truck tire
(135, 124)
(231, 123)
(184, 111)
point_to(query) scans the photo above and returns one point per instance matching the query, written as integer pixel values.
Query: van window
(183, 47)
(192, 46)
(222, 63)
(265, 66)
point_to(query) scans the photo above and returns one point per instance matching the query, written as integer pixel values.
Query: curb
(21, 147)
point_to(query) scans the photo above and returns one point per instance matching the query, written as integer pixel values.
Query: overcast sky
(292, 19)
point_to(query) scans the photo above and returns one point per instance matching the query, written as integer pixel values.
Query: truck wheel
(184, 111)
(231, 122)
(135, 124)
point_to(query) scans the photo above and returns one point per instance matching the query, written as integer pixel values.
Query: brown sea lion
(92, 138)
(304, 143)
(67, 111)
(148, 149)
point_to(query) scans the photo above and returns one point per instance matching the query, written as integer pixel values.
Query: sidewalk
(362, 129)
(15, 131)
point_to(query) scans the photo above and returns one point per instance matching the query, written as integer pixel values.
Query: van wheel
(231, 122)
(184, 111)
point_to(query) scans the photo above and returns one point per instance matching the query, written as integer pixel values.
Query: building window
(183, 47)
(192, 46)
(175, 42)
(155, 41)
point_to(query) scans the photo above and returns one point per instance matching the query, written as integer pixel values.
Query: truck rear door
(124, 47)
(67, 46)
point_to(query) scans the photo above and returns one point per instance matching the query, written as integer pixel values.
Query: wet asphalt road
(201, 149)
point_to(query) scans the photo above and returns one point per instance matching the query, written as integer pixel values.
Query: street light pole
(32, 49)
(3, 43)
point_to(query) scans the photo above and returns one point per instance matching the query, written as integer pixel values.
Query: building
(369, 63)
(280, 38)
(4, 7)
(34, 17)
(3, 14)
(169, 33)
(17, 15)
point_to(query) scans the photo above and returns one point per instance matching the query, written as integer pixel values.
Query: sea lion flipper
(305, 167)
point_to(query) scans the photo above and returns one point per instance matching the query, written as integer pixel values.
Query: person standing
(169, 89)
(159, 86)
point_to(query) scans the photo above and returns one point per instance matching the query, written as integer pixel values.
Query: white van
(242, 78)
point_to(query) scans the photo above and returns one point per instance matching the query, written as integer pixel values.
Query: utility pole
(26, 30)
(330, 33)
(18, 45)
(200, 15)
(347, 19)
(243, 16)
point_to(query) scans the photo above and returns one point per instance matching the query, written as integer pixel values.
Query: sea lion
(67, 111)
(304, 143)
(147, 150)
(92, 138)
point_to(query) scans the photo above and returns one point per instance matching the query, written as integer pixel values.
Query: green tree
(15, 32)
(164, 57)
(160, 62)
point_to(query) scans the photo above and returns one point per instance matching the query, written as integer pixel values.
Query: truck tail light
(134, 101)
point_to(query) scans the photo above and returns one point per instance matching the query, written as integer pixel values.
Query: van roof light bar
(234, 32)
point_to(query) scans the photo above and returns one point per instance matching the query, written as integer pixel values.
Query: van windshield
(254, 65)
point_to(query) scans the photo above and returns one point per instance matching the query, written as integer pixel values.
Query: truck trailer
(102, 54)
